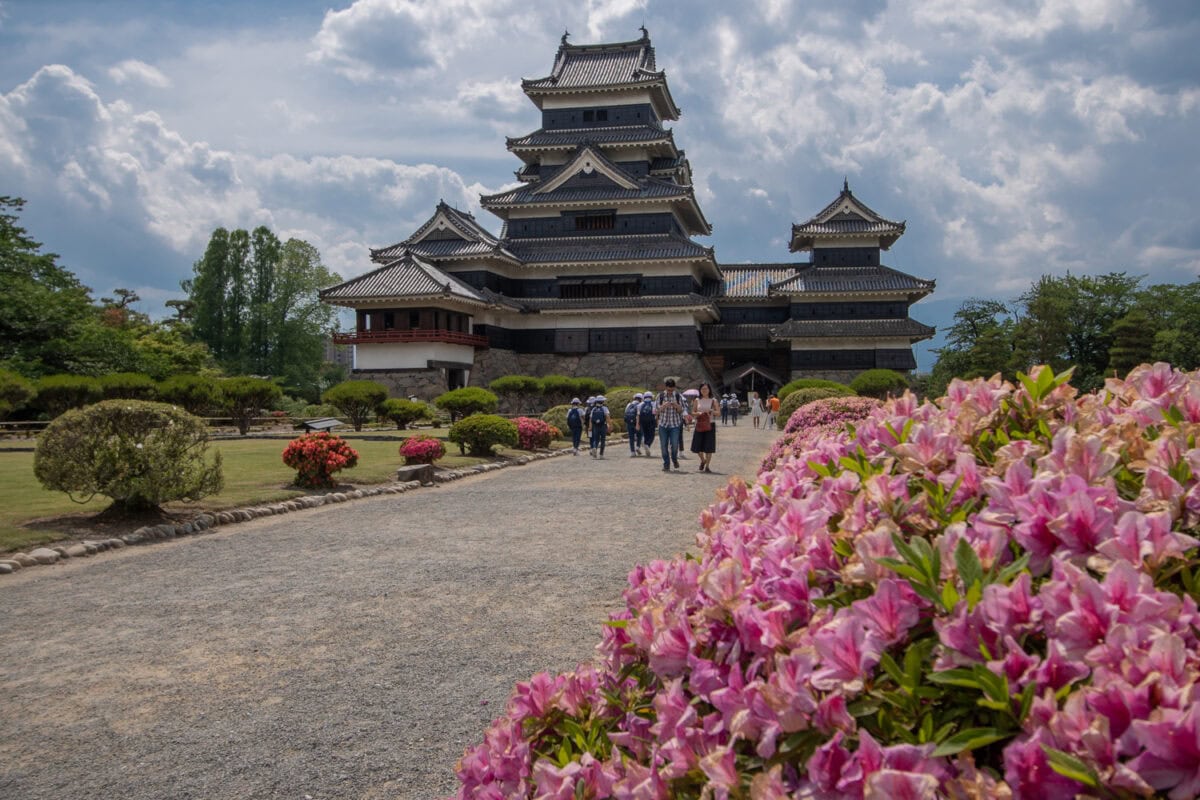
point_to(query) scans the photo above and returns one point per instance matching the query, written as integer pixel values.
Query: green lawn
(254, 473)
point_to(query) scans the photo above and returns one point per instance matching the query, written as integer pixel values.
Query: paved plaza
(351, 651)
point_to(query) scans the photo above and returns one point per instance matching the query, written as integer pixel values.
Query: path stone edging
(207, 521)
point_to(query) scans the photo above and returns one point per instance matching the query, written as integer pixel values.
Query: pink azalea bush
(316, 456)
(990, 596)
(533, 434)
(813, 419)
(422, 449)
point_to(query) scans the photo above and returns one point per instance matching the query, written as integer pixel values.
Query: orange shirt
(774, 403)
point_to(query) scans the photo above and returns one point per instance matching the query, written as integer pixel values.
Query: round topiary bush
(422, 450)
(357, 400)
(479, 433)
(534, 434)
(404, 412)
(802, 397)
(15, 392)
(808, 383)
(129, 386)
(138, 453)
(556, 417)
(830, 414)
(991, 596)
(616, 399)
(197, 394)
(467, 401)
(316, 456)
(879, 383)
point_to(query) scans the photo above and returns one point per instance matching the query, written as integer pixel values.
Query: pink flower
(891, 611)
(847, 651)
(1172, 757)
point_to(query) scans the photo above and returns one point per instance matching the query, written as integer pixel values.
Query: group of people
(663, 416)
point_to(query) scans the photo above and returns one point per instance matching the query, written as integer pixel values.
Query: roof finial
(566, 33)
(846, 185)
(645, 33)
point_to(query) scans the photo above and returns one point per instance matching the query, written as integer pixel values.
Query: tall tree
(266, 252)
(42, 305)
(300, 322)
(207, 293)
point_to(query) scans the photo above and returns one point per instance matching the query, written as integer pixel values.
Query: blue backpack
(598, 416)
(574, 418)
(631, 412)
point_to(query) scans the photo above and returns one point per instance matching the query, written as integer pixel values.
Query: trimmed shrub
(196, 394)
(808, 383)
(991, 596)
(617, 398)
(559, 389)
(801, 397)
(15, 392)
(828, 415)
(245, 398)
(879, 383)
(318, 410)
(533, 434)
(556, 417)
(479, 433)
(316, 456)
(404, 412)
(467, 401)
(422, 449)
(57, 394)
(138, 453)
(357, 400)
(128, 386)
(517, 391)
(588, 386)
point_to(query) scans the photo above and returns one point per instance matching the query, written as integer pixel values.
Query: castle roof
(752, 281)
(846, 217)
(544, 251)
(809, 279)
(407, 277)
(604, 67)
(449, 233)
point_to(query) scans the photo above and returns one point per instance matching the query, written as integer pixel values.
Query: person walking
(772, 411)
(646, 423)
(756, 410)
(704, 435)
(669, 414)
(631, 425)
(734, 406)
(598, 416)
(725, 409)
(575, 425)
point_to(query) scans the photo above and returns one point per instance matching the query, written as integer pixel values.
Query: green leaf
(966, 560)
(1027, 696)
(1071, 767)
(970, 739)
(616, 623)
(1010, 572)
(893, 670)
(956, 677)
(907, 571)
(949, 597)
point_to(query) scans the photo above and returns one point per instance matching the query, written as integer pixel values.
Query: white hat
(574, 401)
(601, 398)
(637, 396)
(591, 400)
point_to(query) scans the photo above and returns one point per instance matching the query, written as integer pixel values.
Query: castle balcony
(411, 335)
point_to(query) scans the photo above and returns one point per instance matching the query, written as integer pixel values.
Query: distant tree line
(1100, 325)
(250, 308)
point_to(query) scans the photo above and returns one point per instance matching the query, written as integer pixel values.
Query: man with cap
(575, 424)
(669, 412)
(598, 416)
(631, 424)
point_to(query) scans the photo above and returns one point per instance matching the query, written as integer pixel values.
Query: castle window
(604, 221)
(589, 116)
(602, 115)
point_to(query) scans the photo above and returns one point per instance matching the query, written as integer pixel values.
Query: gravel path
(345, 652)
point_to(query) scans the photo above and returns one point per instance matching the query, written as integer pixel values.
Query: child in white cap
(598, 425)
(575, 424)
(631, 424)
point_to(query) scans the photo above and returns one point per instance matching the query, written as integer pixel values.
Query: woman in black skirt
(704, 436)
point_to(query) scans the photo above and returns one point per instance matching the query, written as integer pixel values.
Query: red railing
(411, 335)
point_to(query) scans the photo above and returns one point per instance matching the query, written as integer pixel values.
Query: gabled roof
(594, 67)
(587, 159)
(746, 281)
(846, 216)
(853, 328)
(449, 233)
(809, 279)
(407, 277)
(569, 138)
(544, 251)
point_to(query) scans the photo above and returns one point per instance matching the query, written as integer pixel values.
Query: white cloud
(601, 14)
(390, 39)
(991, 20)
(132, 70)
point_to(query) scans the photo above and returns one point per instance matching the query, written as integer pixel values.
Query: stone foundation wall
(642, 370)
(426, 384)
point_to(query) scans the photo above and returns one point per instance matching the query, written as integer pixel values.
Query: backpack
(631, 412)
(647, 409)
(574, 418)
(598, 416)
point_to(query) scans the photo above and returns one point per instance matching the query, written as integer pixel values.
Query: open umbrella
(691, 393)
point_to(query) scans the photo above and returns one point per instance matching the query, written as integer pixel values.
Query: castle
(595, 272)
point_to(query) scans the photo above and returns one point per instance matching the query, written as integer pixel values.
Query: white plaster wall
(413, 355)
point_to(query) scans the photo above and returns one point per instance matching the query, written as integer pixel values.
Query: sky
(1017, 138)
